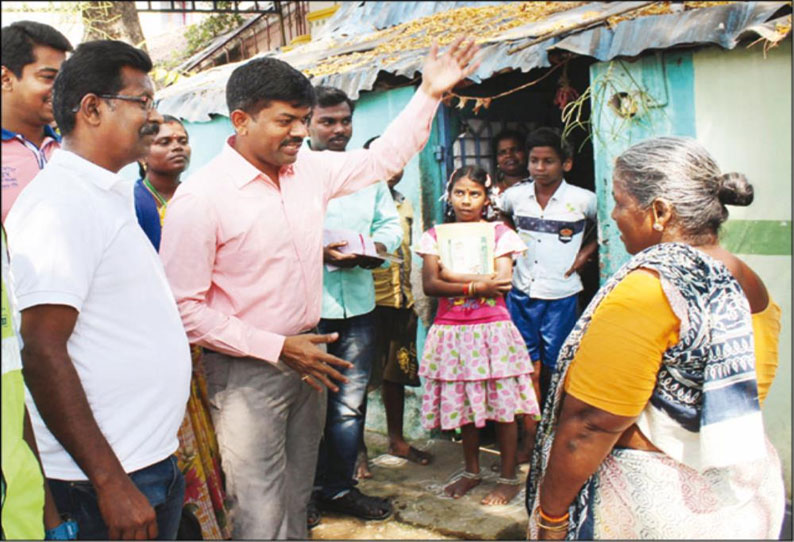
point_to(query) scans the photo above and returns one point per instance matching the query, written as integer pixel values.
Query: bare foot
(460, 487)
(502, 494)
(362, 466)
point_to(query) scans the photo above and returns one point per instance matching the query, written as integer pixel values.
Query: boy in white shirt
(551, 216)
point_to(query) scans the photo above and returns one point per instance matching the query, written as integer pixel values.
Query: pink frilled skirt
(474, 373)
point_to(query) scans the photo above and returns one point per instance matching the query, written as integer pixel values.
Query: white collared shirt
(74, 240)
(553, 237)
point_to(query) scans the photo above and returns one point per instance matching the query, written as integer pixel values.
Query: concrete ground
(421, 510)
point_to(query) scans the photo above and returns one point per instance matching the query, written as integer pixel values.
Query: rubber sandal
(354, 503)
(416, 455)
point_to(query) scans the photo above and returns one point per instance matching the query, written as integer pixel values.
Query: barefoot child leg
(470, 477)
(508, 484)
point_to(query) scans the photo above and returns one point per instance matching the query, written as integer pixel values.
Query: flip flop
(415, 455)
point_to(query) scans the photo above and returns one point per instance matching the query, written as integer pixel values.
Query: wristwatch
(67, 530)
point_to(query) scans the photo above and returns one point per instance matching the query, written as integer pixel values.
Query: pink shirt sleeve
(508, 242)
(188, 253)
(407, 134)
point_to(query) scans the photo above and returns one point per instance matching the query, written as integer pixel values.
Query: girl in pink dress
(475, 363)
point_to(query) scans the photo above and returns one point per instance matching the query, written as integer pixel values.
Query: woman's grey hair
(681, 171)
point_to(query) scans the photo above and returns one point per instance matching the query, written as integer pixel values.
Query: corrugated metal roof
(511, 36)
(353, 18)
(720, 25)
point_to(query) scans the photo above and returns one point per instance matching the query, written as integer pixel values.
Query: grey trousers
(268, 423)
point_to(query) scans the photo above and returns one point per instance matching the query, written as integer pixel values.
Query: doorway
(470, 133)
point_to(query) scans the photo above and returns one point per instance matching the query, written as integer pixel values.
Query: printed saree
(718, 476)
(200, 461)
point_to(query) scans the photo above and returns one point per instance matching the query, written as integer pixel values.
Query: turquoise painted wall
(661, 86)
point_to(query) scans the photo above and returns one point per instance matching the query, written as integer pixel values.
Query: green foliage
(198, 36)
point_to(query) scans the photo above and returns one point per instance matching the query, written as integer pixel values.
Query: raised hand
(441, 73)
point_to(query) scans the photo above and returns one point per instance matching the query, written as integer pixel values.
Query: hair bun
(735, 190)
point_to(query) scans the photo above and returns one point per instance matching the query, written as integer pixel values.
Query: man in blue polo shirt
(32, 54)
(551, 216)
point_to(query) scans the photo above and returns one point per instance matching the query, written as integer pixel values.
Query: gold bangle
(552, 529)
(472, 287)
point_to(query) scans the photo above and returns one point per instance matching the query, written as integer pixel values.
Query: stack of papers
(357, 243)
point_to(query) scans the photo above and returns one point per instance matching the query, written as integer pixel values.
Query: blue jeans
(162, 484)
(344, 422)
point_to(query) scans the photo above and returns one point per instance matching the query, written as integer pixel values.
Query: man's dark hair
(94, 68)
(19, 39)
(331, 96)
(506, 134)
(550, 137)
(256, 83)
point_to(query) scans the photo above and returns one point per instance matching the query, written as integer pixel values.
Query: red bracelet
(466, 289)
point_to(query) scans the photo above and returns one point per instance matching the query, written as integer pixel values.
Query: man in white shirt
(106, 358)
(551, 216)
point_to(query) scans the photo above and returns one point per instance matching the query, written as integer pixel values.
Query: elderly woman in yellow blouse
(655, 430)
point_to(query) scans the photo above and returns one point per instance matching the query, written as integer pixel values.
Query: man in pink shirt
(242, 248)
(32, 54)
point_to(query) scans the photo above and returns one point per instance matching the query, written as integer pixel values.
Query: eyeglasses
(146, 101)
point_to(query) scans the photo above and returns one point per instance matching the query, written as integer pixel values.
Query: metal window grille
(473, 145)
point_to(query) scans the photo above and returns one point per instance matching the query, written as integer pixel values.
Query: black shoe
(313, 515)
(355, 503)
